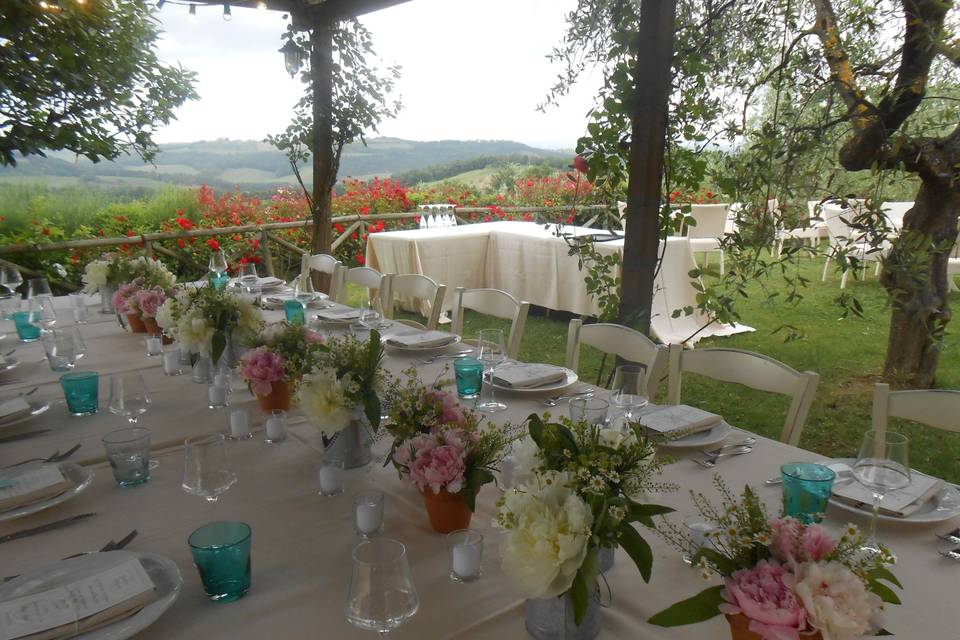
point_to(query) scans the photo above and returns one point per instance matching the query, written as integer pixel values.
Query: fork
(555, 400)
(746, 442)
(55, 457)
(950, 536)
(444, 356)
(27, 393)
(953, 554)
(711, 460)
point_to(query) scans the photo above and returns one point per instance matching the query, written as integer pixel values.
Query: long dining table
(302, 542)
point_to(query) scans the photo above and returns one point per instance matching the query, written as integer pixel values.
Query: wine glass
(370, 315)
(492, 353)
(38, 287)
(128, 396)
(247, 274)
(382, 596)
(10, 279)
(303, 290)
(218, 263)
(206, 471)
(628, 391)
(42, 311)
(882, 466)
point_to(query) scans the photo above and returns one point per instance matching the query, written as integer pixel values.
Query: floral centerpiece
(206, 321)
(782, 580)
(341, 395)
(577, 493)
(128, 279)
(281, 354)
(439, 447)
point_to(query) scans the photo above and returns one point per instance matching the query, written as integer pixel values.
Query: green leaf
(701, 607)
(886, 593)
(475, 479)
(583, 582)
(637, 548)
(536, 428)
(643, 513)
(882, 573)
(218, 344)
(371, 408)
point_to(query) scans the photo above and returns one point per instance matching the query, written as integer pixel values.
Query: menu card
(673, 419)
(422, 339)
(901, 503)
(528, 376)
(78, 607)
(13, 408)
(338, 315)
(26, 485)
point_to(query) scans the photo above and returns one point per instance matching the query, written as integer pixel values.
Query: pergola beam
(310, 12)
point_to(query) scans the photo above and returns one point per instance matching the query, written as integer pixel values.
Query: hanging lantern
(292, 57)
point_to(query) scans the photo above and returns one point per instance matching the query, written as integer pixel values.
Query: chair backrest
(934, 407)
(366, 277)
(834, 216)
(629, 344)
(492, 302)
(733, 210)
(895, 211)
(753, 370)
(415, 286)
(324, 264)
(711, 220)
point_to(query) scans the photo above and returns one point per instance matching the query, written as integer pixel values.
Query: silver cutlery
(953, 554)
(555, 400)
(950, 536)
(50, 526)
(55, 457)
(445, 356)
(746, 442)
(110, 546)
(9, 353)
(28, 393)
(710, 461)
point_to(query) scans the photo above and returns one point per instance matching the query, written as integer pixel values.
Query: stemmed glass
(370, 315)
(42, 311)
(38, 288)
(128, 396)
(882, 466)
(303, 290)
(217, 264)
(628, 391)
(206, 471)
(382, 596)
(492, 354)
(10, 279)
(247, 274)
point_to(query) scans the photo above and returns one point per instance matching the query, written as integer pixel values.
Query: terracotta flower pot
(278, 399)
(136, 323)
(448, 511)
(740, 629)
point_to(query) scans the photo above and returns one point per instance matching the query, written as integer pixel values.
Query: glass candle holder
(217, 396)
(240, 425)
(171, 363)
(698, 529)
(806, 490)
(184, 354)
(154, 345)
(368, 514)
(330, 476)
(276, 428)
(465, 549)
(82, 391)
(78, 302)
(293, 309)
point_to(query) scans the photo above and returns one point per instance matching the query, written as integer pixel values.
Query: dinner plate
(79, 476)
(706, 438)
(394, 347)
(943, 506)
(37, 407)
(162, 571)
(316, 298)
(560, 385)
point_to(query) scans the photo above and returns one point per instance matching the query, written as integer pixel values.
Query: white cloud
(471, 70)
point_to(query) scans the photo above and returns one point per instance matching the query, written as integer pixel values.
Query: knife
(50, 526)
(24, 436)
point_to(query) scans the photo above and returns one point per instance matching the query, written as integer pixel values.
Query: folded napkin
(421, 339)
(78, 607)
(14, 408)
(338, 315)
(31, 484)
(677, 419)
(528, 375)
(900, 504)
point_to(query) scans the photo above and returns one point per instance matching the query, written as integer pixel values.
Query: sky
(470, 71)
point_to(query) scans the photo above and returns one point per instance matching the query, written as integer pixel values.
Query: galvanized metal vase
(352, 444)
(552, 619)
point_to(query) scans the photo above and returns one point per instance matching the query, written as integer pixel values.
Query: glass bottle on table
(492, 353)
(882, 466)
(629, 390)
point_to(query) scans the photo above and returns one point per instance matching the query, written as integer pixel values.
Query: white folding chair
(412, 286)
(808, 230)
(492, 302)
(753, 370)
(365, 277)
(843, 238)
(707, 234)
(934, 407)
(895, 212)
(627, 343)
(322, 263)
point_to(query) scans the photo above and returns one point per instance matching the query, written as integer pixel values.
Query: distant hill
(257, 166)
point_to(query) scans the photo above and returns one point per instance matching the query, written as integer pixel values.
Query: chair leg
(825, 265)
(843, 279)
(876, 271)
(953, 284)
(721, 262)
(706, 259)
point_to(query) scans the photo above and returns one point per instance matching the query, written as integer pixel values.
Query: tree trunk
(918, 286)
(651, 92)
(321, 75)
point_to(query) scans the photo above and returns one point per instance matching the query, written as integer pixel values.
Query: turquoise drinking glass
(27, 329)
(469, 374)
(219, 281)
(82, 390)
(294, 312)
(221, 553)
(128, 452)
(806, 490)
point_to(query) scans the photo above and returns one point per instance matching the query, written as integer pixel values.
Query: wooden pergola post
(321, 77)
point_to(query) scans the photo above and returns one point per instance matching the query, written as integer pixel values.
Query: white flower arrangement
(200, 319)
(95, 275)
(322, 397)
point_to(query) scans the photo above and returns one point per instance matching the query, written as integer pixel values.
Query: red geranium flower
(181, 243)
(361, 259)
(213, 244)
(185, 223)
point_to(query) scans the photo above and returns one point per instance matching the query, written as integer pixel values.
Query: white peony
(272, 330)
(526, 460)
(95, 275)
(194, 332)
(322, 399)
(614, 438)
(547, 539)
(250, 316)
(165, 313)
(837, 602)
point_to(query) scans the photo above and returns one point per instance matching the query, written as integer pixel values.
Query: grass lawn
(847, 353)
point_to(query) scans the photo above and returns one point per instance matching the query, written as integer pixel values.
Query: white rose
(321, 398)
(836, 600)
(194, 332)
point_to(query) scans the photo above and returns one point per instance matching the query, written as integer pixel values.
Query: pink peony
(448, 408)
(440, 467)
(313, 336)
(765, 595)
(816, 544)
(837, 601)
(125, 298)
(150, 300)
(786, 538)
(260, 367)
(406, 453)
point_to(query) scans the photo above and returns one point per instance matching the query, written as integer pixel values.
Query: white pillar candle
(154, 345)
(368, 518)
(239, 424)
(331, 479)
(276, 428)
(217, 395)
(171, 363)
(466, 560)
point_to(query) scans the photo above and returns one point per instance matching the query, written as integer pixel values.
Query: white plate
(79, 476)
(701, 439)
(162, 571)
(37, 407)
(943, 506)
(571, 378)
(279, 298)
(393, 347)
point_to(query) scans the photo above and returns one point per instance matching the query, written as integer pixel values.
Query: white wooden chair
(953, 266)
(842, 237)
(934, 407)
(809, 229)
(365, 277)
(753, 370)
(323, 263)
(412, 286)
(492, 302)
(629, 344)
(895, 212)
(707, 234)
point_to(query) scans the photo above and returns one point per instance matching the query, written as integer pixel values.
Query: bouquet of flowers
(785, 578)
(150, 300)
(346, 378)
(203, 319)
(577, 491)
(102, 272)
(282, 352)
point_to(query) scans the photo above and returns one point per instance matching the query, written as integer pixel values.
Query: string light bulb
(226, 13)
(262, 5)
(193, 12)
